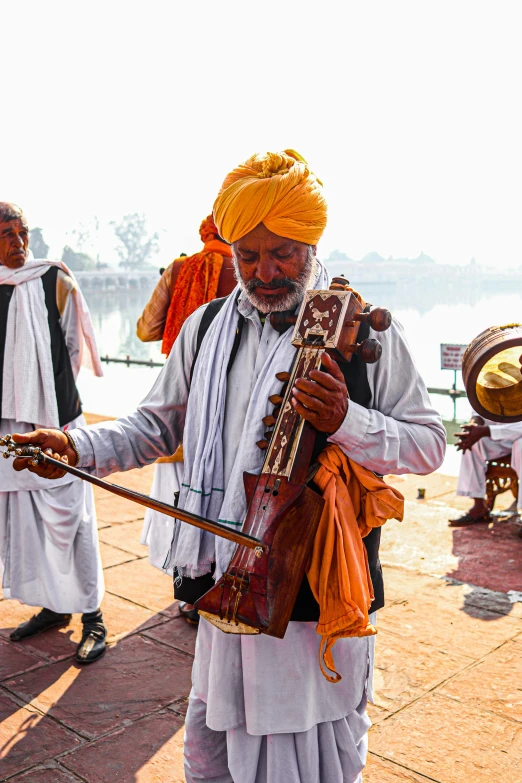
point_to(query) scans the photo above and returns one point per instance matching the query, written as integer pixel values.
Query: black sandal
(190, 615)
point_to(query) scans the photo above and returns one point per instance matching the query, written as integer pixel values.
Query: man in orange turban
(260, 708)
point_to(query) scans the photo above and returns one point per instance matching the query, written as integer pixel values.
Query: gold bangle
(72, 445)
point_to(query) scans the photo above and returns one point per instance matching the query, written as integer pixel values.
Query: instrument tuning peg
(283, 376)
(276, 410)
(262, 444)
(275, 399)
(339, 284)
(269, 421)
(379, 319)
(369, 351)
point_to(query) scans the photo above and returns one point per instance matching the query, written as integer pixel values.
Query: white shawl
(203, 491)
(28, 390)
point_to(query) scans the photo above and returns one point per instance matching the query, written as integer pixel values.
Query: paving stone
(435, 485)
(452, 743)
(447, 627)
(113, 510)
(134, 678)
(405, 670)
(121, 618)
(180, 707)
(377, 714)
(140, 582)
(494, 684)
(138, 479)
(176, 633)
(380, 771)
(148, 751)
(126, 537)
(485, 556)
(400, 582)
(47, 774)
(111, 556)
(422, 541)
(14, 659)
(28, 738)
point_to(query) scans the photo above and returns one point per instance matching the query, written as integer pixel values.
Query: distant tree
(338, 255)
(137, 245)
(37, 243)
(78, 262)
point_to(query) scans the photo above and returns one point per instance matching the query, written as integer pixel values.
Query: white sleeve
(71, 328)
(155, 429)
(401, 432)
(505, 431)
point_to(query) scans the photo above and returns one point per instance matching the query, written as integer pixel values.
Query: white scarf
(203, 491)
(28, 390)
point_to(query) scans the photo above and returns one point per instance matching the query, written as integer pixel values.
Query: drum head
(492, 373)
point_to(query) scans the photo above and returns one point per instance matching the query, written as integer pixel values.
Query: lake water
(430, 314)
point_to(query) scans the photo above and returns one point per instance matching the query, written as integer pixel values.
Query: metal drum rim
(470, 378)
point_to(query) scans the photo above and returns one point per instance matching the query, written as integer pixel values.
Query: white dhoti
(472, 474)
(260, 710)
(158, 529)
(49, 552)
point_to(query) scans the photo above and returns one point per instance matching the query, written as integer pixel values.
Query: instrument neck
(293, 440)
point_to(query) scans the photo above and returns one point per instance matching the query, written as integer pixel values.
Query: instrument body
(257, 595)
(492, 374)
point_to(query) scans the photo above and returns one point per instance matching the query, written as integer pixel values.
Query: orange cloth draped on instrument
(276, 189)
(356, 501)
(196, 283)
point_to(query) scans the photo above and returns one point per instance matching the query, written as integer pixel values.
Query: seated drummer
(480, 441)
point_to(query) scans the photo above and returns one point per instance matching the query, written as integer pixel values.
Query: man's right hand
(471, 434)
(54, 443)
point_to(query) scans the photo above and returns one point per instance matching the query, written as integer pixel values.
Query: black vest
(67, 397)
(306, 608)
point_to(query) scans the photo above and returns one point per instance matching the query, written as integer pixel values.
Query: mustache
(282, 282)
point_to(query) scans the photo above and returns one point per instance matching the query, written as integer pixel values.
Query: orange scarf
(196, 284)
(356, 501)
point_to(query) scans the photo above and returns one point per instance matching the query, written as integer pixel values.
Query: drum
(491, 370)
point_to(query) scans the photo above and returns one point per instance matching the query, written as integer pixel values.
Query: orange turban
(276, 189)
(208, 230)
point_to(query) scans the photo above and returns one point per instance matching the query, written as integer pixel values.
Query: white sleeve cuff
(353, 430)
(85, 448)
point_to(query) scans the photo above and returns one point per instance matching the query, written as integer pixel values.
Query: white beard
(289, 301)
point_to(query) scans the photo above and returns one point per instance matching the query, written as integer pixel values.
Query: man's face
(14, 243)
(272, 270)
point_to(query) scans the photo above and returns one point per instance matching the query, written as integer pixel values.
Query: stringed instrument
(257, 592)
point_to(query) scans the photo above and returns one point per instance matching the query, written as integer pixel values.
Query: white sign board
(451, 356)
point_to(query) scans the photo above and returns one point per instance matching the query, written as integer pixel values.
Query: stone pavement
(448, 669)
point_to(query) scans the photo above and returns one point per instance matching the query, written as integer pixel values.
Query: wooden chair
(500, 477)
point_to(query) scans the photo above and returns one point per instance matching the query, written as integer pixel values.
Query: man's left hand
(323, 400)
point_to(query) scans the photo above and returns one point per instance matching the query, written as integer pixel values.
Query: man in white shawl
(49, 554)
(260, 710)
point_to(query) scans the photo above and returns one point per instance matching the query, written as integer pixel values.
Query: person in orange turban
(277, 189)
(260, 708)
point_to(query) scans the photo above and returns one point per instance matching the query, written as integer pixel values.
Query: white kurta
(401, 433)
(505, 439)
(158, 529)
(49, 553)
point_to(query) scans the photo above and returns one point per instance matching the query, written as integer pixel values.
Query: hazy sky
(409, 112)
